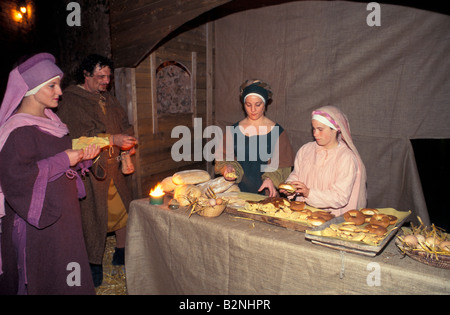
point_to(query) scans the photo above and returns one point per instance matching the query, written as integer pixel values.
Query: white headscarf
(339, 121)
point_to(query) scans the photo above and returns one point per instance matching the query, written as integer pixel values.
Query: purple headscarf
(25, 77)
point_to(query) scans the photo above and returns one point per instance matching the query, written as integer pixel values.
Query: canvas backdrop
(392, 81)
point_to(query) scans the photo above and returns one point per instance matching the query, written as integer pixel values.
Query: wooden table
(170, 253)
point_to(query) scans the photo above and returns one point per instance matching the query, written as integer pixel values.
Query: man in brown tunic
(90, 110)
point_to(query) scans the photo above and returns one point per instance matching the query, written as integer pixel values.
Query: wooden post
(153, 91)
(125, 90)
(210, 83)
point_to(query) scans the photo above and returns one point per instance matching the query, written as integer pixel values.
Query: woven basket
(435, 260)
(212, 212)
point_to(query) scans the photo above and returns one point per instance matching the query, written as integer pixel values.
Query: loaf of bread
(218, 184)
(190, 177)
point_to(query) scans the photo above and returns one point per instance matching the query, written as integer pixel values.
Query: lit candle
(157, 195)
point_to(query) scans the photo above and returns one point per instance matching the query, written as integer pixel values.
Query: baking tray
(290, 224)
(357, 247)
(277, 221)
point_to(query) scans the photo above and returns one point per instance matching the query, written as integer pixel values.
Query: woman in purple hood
(41, 240)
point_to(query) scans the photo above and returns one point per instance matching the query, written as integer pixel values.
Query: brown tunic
(84, 116)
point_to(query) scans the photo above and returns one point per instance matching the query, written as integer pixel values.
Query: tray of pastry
(278, 211)
(348, 233)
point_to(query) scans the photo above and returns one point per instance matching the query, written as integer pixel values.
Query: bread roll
(168, 185)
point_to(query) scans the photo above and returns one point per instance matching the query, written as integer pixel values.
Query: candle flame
(17, 16)
(157, 191)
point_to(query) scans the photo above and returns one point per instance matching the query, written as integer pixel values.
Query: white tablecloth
(170, 253)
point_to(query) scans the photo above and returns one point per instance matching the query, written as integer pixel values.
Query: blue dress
(258, 150)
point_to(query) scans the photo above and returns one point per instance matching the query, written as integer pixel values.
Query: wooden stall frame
(128, 87)
(125, 89)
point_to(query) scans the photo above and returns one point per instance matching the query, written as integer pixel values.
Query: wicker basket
(435, 260)
(212, 212)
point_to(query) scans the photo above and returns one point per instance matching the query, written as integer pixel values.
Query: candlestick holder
(156, 200)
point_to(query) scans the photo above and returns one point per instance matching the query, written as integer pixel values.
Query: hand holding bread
(294, 188)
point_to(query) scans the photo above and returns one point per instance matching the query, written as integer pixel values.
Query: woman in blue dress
(253, 158)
